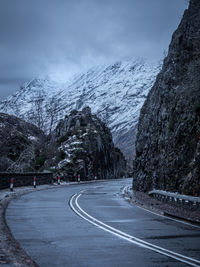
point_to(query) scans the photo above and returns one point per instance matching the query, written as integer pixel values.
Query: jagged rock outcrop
(81, 144)
(19, 142)
(84, 146)
(168, 140)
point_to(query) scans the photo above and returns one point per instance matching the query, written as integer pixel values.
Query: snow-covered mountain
(114, 92)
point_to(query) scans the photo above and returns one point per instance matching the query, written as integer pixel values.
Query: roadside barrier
(24, 179)
(176, 198)
(34, 182)
(11, 184)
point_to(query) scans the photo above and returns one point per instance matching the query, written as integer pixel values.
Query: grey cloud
(64, 36)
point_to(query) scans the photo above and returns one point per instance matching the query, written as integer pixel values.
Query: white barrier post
(34, 182)
(11, 184)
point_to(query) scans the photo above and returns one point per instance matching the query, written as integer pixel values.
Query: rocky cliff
(168, 140)
(19, 142)
(82, 144)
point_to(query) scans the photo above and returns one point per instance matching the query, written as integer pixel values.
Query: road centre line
(84, 215)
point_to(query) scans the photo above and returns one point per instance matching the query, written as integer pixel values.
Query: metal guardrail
(176, 197)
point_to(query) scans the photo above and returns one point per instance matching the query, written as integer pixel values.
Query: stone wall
(24, 179)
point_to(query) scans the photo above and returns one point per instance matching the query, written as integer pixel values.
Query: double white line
(79, 211)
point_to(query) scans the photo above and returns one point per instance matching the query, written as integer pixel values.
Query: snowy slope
(114, 92)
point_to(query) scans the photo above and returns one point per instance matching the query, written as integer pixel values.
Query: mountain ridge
(114, 92)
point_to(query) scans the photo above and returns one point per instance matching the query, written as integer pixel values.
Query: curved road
(91, 225)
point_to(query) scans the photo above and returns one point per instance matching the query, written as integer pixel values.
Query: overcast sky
(62, 37)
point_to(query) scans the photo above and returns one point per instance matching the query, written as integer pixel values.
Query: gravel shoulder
(11, 253)
(171, 210)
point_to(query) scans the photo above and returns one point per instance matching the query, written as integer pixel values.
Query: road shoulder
(11, 252)
(143, 200)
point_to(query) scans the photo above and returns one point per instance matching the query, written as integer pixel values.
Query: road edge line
(136, 241)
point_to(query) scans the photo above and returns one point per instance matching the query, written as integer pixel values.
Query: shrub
(197, 108)
(62, 155)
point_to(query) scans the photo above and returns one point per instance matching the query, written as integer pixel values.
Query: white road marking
(160, 215)
(79, 211)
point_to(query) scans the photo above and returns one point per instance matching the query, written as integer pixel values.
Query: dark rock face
(168, 140)
(18, 142)
(84, 146)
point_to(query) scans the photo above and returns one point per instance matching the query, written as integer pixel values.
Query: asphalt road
(92, 225)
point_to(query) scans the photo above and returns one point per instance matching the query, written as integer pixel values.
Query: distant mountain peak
(115, 92)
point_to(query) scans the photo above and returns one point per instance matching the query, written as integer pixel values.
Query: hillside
(114, 92)
(81, 144)
(19, 142)
(168, 140)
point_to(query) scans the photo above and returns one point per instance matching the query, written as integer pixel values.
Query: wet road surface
(54, 234)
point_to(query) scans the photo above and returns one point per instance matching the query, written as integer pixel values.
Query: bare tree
(37, 115)
(38, 103)
(52, 112)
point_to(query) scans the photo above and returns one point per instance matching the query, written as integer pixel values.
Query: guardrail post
(34, 182)
(11, 184)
